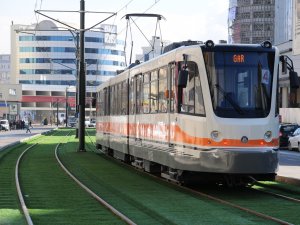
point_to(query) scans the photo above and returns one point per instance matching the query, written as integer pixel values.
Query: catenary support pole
(77, 81)
(82, 82)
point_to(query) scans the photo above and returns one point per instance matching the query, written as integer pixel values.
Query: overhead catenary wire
(129, 25)
(114, 21)
(129, 17)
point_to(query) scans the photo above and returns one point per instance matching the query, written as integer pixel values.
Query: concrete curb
(24, 139)
(288, 180)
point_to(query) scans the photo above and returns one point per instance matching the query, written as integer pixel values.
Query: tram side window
(199, 102)
(132, 96)
(162, 88)
(146, 93)
(154, 92)
(124, 98)
(112, 100)
(172, 88)
(101, 102)
(139, 106)
(118, 97)
(106, 99)
(192, 97)
(116, 100)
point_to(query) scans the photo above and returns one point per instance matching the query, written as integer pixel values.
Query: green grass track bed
(50, 195)
(143, 199)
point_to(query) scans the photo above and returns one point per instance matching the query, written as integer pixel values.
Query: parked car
(72, 120)
(87, 122)
(4, 125)
(294, 140)
(285, 131)
(92, 122)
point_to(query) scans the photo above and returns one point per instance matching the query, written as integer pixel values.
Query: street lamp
(57, 112)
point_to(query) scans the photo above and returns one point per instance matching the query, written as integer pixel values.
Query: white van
(4, 125)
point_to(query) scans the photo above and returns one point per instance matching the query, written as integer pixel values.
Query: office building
(44, 59)
(251, 21)
(4, 68)
(289, 44)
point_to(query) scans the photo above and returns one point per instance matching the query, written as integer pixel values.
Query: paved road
(8, 137)
(289, 164)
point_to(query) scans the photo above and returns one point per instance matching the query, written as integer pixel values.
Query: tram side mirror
(183, 77)
(284, 67)
(283, 64)
(294, 79)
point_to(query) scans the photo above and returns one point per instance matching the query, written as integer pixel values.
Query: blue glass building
(44, 60)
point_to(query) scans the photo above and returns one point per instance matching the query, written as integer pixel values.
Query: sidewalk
(8, 138)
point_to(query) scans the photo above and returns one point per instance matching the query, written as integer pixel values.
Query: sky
(199, 20)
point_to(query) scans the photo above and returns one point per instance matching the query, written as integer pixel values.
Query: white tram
(199, 112)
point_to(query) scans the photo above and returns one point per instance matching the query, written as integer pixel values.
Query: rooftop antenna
(129, 17)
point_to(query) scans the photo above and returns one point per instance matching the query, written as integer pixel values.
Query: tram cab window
(240, 83)
(192, 97)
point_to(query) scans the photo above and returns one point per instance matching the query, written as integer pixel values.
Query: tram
(198, 112)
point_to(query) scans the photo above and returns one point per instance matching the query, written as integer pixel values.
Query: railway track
(257, 213)
(19, 190)
(34, 195)
(142, 198)
(279, 190)
(93, 194)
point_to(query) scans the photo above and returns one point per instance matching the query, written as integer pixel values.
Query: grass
(10, 213)
(53, 198)
(143, 199)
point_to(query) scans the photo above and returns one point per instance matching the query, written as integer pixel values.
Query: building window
(12, 92)
(258, 27)
(268, 14)
(244, 15)
(258, 14)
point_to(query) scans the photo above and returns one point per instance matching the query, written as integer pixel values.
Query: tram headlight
(216, 135)
(268, 136)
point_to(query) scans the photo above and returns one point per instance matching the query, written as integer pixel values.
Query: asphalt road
(289, 164)
(9, 137)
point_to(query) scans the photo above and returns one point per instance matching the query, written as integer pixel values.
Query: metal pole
(77, 81)
(82, 82)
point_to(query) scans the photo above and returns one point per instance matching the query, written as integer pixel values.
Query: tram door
(134, 107)
(138, 109)
(171, 102)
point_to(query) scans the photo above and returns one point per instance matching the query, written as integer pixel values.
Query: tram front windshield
(240, 83)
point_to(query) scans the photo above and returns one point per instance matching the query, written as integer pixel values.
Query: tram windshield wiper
(229, 99)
